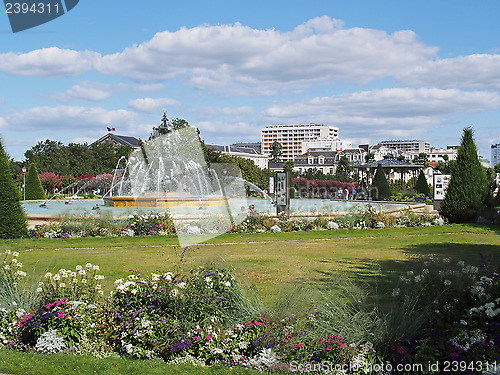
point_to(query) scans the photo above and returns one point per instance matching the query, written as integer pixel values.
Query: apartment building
(409, 146)
(495, 154)
(291, 137)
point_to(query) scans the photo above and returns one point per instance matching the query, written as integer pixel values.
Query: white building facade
(409, 146)
(495, 155)
(291, 137)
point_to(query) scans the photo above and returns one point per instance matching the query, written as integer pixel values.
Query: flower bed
(162, 224)
(442, 312)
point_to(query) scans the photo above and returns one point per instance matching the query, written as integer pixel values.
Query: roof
(121, 139)
(235, 149)
(391, 163)
(326, 154)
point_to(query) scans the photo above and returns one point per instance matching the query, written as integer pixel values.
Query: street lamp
(24, 183)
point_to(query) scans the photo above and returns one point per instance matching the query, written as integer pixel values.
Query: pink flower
(320, 339)
(301, 345)
(327, 349)
(401, 350)
(59, 315)
(265, 320)
(285, 341)
(209, 337)
(197, 338)
(342, 345)
(249, 324)
(258, 323)
(453, 354)
(199, 330)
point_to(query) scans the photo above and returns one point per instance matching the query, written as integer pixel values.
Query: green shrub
(468, 188)
(380, 186)
(421, 186)
(12, 217)
(34, 189)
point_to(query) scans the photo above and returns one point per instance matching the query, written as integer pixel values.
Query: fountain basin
(165, 201)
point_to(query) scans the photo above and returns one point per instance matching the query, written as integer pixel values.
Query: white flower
(82, 272)
(118, 281)
(78, 267)
(48, 275)
(95, 267)
(19, 264)
(15, 254)
(14, 260)
(174, 292)
(39, 290)
(447, 282)
(84, 281)
(181, 285)
(7, 267)
(56, 277)
(62, 285)
(134, 291)
(7, 251)
(75, 281)
(208, 279)
(88, 265)
(227, 283)
(98, 286)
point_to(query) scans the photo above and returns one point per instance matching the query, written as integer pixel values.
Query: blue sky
(377, 70)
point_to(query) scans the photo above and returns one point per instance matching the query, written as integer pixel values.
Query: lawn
(287, 269)
(272, 262)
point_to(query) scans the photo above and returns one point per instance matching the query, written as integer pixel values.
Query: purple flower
(184, 252)
(222, 298)
(210, 274)
(135, 329)
(137, 312)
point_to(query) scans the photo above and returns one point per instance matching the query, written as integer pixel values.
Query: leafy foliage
(421, 186)
(12, 217)
(276, 151)
(381, 184)
(34, 189)
(468, 188)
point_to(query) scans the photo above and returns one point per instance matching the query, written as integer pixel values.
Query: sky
(377, 70)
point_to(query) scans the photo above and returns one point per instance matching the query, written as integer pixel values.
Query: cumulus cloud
(48, 62)
(398, 112)
(150, 105)
(471, 72)
(214, 57)
(91, 91)
(67, 118)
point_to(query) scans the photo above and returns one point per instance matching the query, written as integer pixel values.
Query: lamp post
(24, 183)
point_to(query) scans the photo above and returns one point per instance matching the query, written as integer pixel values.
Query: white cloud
(321, 50)
(150, 105)
(396, 112)
(91, 91)
(48, 62)
(471, 72)
(67, 119)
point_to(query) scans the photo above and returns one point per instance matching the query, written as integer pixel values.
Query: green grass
(17, 363)
(287, 268)
(273, 262)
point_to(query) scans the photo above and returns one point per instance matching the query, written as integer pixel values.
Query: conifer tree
(34, 189)
(12, 217)
(468, 189)
(421, 186)
(381, 184)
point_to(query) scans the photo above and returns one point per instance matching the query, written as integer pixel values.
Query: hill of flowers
(204, 316)
(88, 225)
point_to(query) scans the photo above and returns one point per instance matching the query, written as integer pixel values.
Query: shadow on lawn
(380, 277)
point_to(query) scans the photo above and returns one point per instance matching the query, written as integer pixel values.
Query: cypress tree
(421, 186)
(12, 217)
(381, 184)
(468, 188)
(34, 189)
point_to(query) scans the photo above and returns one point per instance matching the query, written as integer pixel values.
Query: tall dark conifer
(12, 217)
(381, 184)
(468, 189)
(34, 189)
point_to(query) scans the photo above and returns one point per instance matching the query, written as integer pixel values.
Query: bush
(12, 217)
(421, 186)
(468, 189)
(380, 186)
(34, 189)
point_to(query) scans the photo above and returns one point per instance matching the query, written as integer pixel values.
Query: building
(409, 146)
(291, 137)
(259, 160)
(118, 140)
(324, 161)
(380, 152)
(436, 155)
(495, 155)
(325, 144)
(354, 155)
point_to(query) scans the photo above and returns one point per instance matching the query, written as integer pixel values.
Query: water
(58, 207)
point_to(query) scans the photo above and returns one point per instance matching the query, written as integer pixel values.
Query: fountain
(168, 171)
